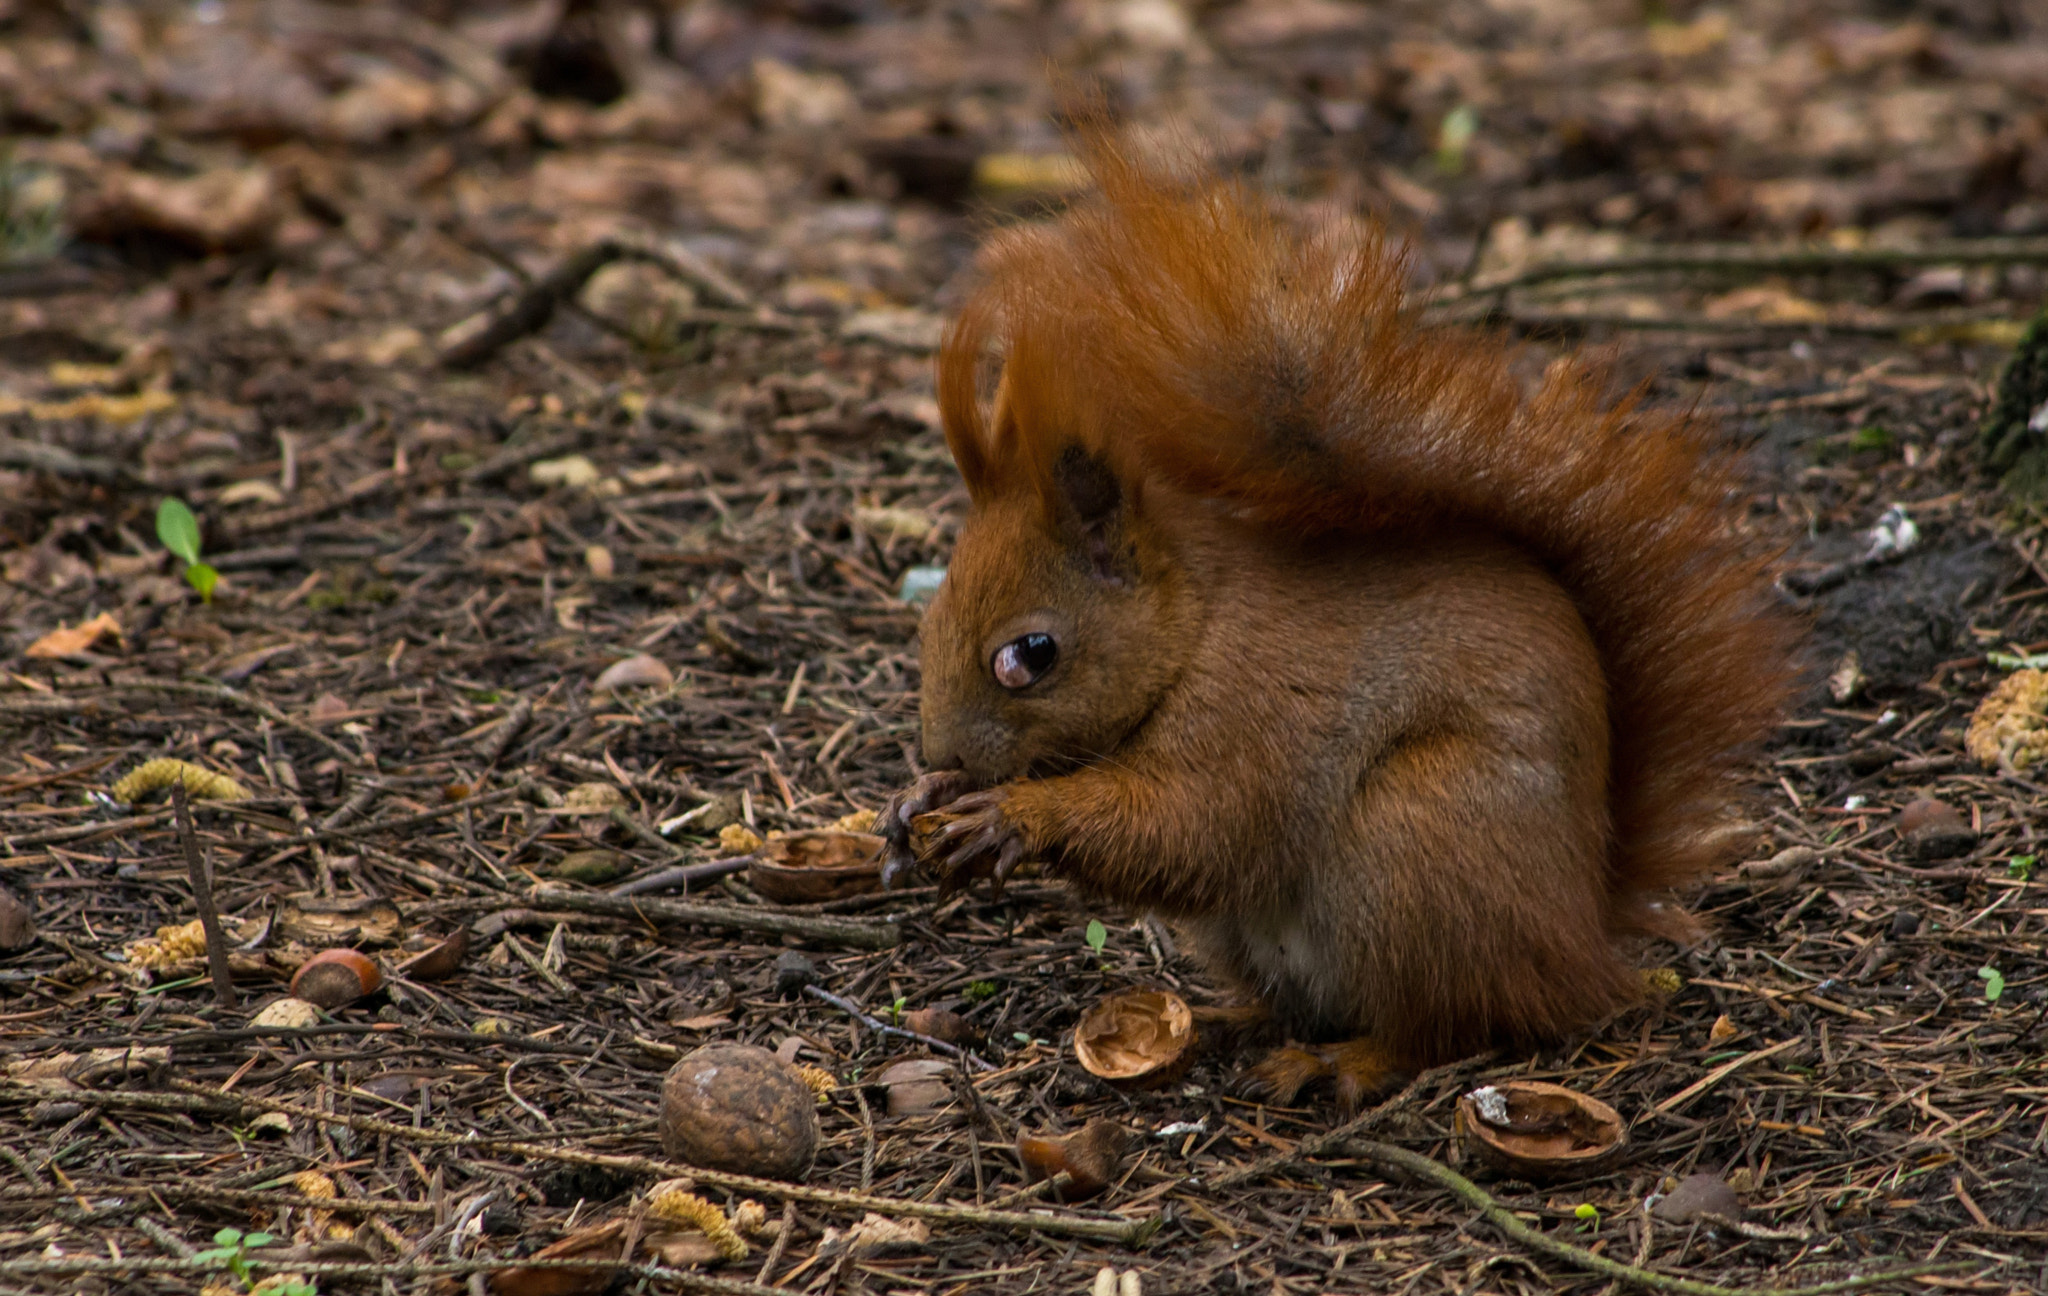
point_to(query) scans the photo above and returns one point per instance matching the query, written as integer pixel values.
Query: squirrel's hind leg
(1360, 1069)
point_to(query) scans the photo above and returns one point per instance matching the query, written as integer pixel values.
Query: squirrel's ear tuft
(1092, 505)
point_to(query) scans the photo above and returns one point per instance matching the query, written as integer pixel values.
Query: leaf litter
(657, 539)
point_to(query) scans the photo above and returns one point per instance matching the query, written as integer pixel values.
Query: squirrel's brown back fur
(1186, 332)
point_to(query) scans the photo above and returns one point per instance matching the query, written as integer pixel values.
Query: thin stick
(1317, 1145)
(199, 1098)
(819, 927)
(530, 311)
(680, 1279)
(684, 875)
(781, 1244)
(1718, 1074)
(881, 1027)
(1388, 1157)
(202, 896)
(1756, 260)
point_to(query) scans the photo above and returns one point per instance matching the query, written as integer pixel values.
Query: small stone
(1934, 830)
(592, 867)
(1695, 1196)
(793, 972)
(1905, 923)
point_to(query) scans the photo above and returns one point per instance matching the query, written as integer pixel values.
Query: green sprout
(1097, 935)
(178, 529)
(231, 1248)
(896, 1010)
(1994, 983)
(1588, 1215)
(2020, 868)
(978, 991)
(1454, 137)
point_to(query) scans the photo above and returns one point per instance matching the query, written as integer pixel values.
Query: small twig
(529, 311)
(1318, 1144)
(1718, 1074)
(1388, 1157)
(819, 927)
(640, 832)
(684, 875)
(781, 1243)
(222, 693)
(867, 1145)
(59, 462)
(500, 736)
(670, 787)
(52, 836)
(881, 1027)
(202, 896)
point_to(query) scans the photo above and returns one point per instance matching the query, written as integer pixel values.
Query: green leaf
(258, 1239)
(1870, 437)
(1586, 1211)
(202, 578)
(1098, 935)
(178, 529)
(228, 1236)
(2020, 867)
(980, 990)
(1994, 983)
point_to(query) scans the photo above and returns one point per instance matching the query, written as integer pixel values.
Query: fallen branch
(199, 1098)
(820, 927)
(59, 462)
(78, 832)
(478, 338)
(1763, 260)
(1388, 1157)
(680, 1279)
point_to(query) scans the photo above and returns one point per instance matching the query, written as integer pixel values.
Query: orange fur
(1406, 695)
(1188, 332)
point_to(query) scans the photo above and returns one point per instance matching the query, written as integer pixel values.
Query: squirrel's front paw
(928, 793)
(977, 839)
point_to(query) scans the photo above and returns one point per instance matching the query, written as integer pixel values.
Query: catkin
(200, 783)
(678, 1207)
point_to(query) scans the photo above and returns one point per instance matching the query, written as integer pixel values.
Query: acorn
(336, 978)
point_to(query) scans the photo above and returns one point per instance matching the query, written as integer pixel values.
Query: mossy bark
(2013, 447)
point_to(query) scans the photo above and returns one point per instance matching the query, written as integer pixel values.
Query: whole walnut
(741, 1109)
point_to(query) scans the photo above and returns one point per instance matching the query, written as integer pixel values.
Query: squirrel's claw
(979, 842)
(928, 793)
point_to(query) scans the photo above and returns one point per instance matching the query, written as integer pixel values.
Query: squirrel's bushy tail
(1183, 329)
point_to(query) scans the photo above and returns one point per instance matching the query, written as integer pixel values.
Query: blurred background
(822, 150)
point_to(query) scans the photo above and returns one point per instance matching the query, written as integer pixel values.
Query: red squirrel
(1408, 696)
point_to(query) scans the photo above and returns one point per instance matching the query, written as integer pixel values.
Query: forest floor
(248, 251)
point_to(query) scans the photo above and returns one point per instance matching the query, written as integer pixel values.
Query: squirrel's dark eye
(1020, 662)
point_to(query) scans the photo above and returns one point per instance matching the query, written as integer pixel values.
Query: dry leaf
(64, 641)
(637, 671)
(918, 1085)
